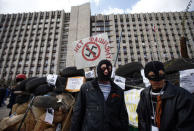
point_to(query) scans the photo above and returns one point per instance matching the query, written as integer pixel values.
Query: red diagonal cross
(91, 51)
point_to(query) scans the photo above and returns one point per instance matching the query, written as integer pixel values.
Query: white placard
(132, 98)
(51, 79)
(187, 80)
(90, 51)
(49, 115)
(145, 80)
(154, 128)
(74, 83)
(120, 81)
(90, 74)
(113, 72)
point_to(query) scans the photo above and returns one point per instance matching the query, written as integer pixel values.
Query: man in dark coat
(163, 106)
(100, 104)
(2, 95)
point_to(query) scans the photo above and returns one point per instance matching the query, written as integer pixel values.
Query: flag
(154, 28)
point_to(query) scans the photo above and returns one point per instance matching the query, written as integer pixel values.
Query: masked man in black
(100, 104)
(163, 106)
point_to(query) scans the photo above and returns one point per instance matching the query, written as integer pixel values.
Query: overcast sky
(97, 6)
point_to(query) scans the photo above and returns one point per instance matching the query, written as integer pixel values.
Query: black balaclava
(100, 72)
(154, 66)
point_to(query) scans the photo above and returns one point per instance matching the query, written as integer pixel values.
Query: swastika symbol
(91, 51)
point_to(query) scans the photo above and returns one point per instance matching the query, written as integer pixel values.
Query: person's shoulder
(115, 86)
(179, 90)
(146, 90)
(88, 83)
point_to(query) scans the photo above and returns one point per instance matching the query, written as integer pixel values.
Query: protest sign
(90, 74)
(120, 81)
(187, 80)
(89, 51)
(74, 83)
(51, 79)
(132, 98)
(49, 115)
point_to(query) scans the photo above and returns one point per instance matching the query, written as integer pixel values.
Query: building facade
(40, 43)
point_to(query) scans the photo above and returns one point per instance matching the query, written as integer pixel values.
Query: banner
(89, 51)
(186, 80)
(132, 98)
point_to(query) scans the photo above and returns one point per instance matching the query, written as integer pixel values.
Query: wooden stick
(67, 120)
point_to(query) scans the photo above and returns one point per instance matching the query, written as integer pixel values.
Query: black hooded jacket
(177, 110)
(92, 113)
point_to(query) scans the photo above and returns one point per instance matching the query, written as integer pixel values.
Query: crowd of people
(100, 104)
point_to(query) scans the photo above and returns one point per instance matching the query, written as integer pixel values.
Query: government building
(40, 43)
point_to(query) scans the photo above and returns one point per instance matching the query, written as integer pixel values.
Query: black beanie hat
(100, 72)
(154, 66)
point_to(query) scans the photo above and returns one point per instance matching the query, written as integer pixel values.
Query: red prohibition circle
(86, 46)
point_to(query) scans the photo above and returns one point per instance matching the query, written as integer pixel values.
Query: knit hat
(100, 72)
(154, 66)
(20, 77)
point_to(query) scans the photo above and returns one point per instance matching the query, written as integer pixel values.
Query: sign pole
(118, 49)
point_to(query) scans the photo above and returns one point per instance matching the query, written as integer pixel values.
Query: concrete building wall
(40, 43)
(79, 28)
(30, 43)
(140, 41)
(62, 55)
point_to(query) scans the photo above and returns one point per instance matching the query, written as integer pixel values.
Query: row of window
(164, 25)
(41, 18)
(17, 25)
(145, 17)
(26, 72)
(39, 30)
(146, 59)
